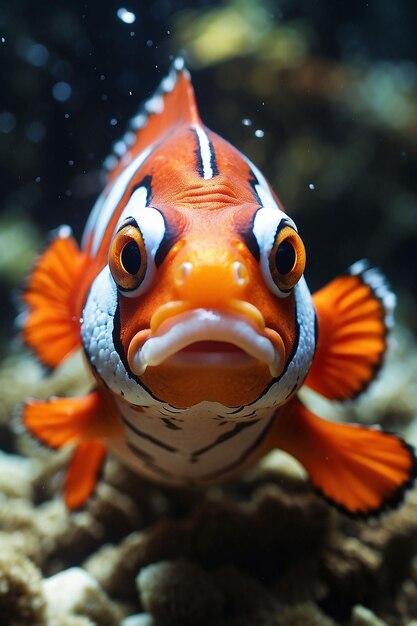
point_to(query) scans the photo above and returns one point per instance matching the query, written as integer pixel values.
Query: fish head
(213, 318)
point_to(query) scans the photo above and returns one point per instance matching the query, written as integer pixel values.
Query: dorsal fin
(172, 104)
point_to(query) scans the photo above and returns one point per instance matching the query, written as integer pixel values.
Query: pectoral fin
(83, 473)
(61, 421)
(52, 326)
(81, 421)
(354, 312)
(362, 470)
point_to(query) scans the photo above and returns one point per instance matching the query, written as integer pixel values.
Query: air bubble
(126, 16)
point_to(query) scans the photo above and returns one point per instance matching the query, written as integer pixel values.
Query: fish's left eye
(287, 259)
(127, 258)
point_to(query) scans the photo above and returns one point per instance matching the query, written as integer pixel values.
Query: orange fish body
(189, 302)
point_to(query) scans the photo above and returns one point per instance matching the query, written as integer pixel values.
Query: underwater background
(322, 96)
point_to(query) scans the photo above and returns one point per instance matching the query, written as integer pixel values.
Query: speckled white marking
(97, 337)
(129, 138)
(138, 121)
(120, 148)
(300, 364)
(154, 104)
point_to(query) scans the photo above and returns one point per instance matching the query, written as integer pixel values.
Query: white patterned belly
(198, 446)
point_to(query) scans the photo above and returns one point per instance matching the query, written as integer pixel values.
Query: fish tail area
(51, 325)
(354, 314)
(61, 421)
(83, 473)
(359, 469)
(173, 103)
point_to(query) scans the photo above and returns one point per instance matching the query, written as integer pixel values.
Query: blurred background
(321, 95)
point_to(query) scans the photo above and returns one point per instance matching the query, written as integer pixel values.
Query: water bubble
(259, 133)
(71, 162)
(149, 43)
(37, 55)
(246, 121)
(102, 77)
(66, 116)
(38, 179)
(113, 121)
(312, 186)
(132, 33)
(35, 131)
(7, 122)
(3, 40)
(126, 16)
(62, 91)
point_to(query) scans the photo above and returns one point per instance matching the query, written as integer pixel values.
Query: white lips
(190, 327)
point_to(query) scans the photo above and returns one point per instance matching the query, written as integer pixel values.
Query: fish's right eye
(127, 258)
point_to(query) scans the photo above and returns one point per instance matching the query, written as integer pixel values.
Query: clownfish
(188, 299)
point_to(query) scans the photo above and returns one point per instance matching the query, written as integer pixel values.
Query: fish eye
(127, 258)
(131, 258)
(287, 259)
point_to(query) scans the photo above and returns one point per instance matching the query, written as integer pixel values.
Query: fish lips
(203, 337)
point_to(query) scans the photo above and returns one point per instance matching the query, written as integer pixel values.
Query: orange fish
(189, 302)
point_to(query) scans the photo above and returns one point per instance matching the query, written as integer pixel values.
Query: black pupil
(131, 257)
(285, 257)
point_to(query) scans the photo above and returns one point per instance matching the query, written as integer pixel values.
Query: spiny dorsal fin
(172, 104)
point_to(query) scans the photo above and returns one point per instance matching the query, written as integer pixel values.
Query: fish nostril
(183, 273)
(240, 274)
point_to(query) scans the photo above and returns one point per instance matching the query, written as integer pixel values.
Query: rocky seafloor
(261, 551)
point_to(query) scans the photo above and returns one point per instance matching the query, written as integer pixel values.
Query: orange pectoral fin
(83, 473)
(361, 470)
(354, 313)
(81, 421)
(62, 421)
(51, 327)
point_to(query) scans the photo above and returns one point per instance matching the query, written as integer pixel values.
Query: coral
(141, 619)
(21, 599)
(75, 592)
(303, 615)
(179, 592)
(362, 616)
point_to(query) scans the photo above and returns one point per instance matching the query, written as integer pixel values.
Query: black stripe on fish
(225, 437)
(147, 437)
(243, 457)
(148, 460)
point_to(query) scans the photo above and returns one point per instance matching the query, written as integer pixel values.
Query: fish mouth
(207, 338)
